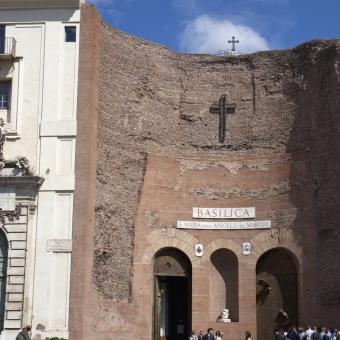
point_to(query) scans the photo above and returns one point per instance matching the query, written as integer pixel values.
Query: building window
(70, 33)
(5, 93)
(2, 38)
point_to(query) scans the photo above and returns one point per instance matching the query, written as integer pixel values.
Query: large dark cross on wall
(223, 109)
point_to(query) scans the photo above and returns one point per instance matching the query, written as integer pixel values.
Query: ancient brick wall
(155, 101)
(85, 172)
(281, 153)
(317, 120)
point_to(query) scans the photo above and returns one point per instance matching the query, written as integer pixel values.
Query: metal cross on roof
(233, 41)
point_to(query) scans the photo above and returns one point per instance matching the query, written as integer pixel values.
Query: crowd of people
(211, 336)
(311, 333)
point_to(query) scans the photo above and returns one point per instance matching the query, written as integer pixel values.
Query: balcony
(7, 48)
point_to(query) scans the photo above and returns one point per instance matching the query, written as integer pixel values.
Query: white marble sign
(224, 213)
(59, 246)
(247, 225)
(7, 199)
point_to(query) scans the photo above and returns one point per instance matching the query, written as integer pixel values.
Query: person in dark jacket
(293, 334)
(201, 335)
(209, 335)
(24, 334)
(317, 335)
(247, 335)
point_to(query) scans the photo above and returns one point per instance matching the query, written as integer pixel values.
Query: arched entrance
(172, 295)
(276, 292)
(3, 276)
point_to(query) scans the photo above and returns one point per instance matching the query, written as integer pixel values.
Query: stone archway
(276, 292)
(170, 238)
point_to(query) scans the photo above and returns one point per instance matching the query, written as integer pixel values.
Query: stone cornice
(39, 4)
(21, 181)
(26, 187)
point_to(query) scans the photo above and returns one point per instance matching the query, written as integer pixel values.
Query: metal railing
(7, 46)
(228, 53)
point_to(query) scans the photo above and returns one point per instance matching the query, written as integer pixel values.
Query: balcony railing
(228, 53)
(7, 47)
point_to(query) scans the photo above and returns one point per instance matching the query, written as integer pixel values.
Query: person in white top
(308, 333)
(247, 336)
(193, 335)
(219, 335)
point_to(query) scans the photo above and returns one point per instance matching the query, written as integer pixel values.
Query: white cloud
(206, 34)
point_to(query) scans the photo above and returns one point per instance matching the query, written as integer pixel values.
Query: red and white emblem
(199, 250)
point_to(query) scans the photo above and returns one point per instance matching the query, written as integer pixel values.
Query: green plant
(55, 338)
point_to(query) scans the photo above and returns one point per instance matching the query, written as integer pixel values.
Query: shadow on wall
(223, 283)
(315, 147)
(277, 292)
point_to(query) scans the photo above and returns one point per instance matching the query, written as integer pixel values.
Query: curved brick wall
(155, 101)
(283, 140)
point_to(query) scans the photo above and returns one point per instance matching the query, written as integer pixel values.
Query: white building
(39, 52)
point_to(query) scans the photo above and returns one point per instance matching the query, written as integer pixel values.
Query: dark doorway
(276, 293)
(172, 296)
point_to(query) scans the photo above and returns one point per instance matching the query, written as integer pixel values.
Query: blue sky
(206, 25)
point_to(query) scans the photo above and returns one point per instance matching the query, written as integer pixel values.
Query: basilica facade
(206, 189)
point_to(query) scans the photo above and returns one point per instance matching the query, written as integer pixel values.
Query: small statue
(21, 162)
(24, 164)
(224, 317)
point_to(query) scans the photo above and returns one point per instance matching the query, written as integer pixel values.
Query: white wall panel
(62, 228)
(52, 71)
(66, 153)
(58, 315)
(69, 79)
(53, 269)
